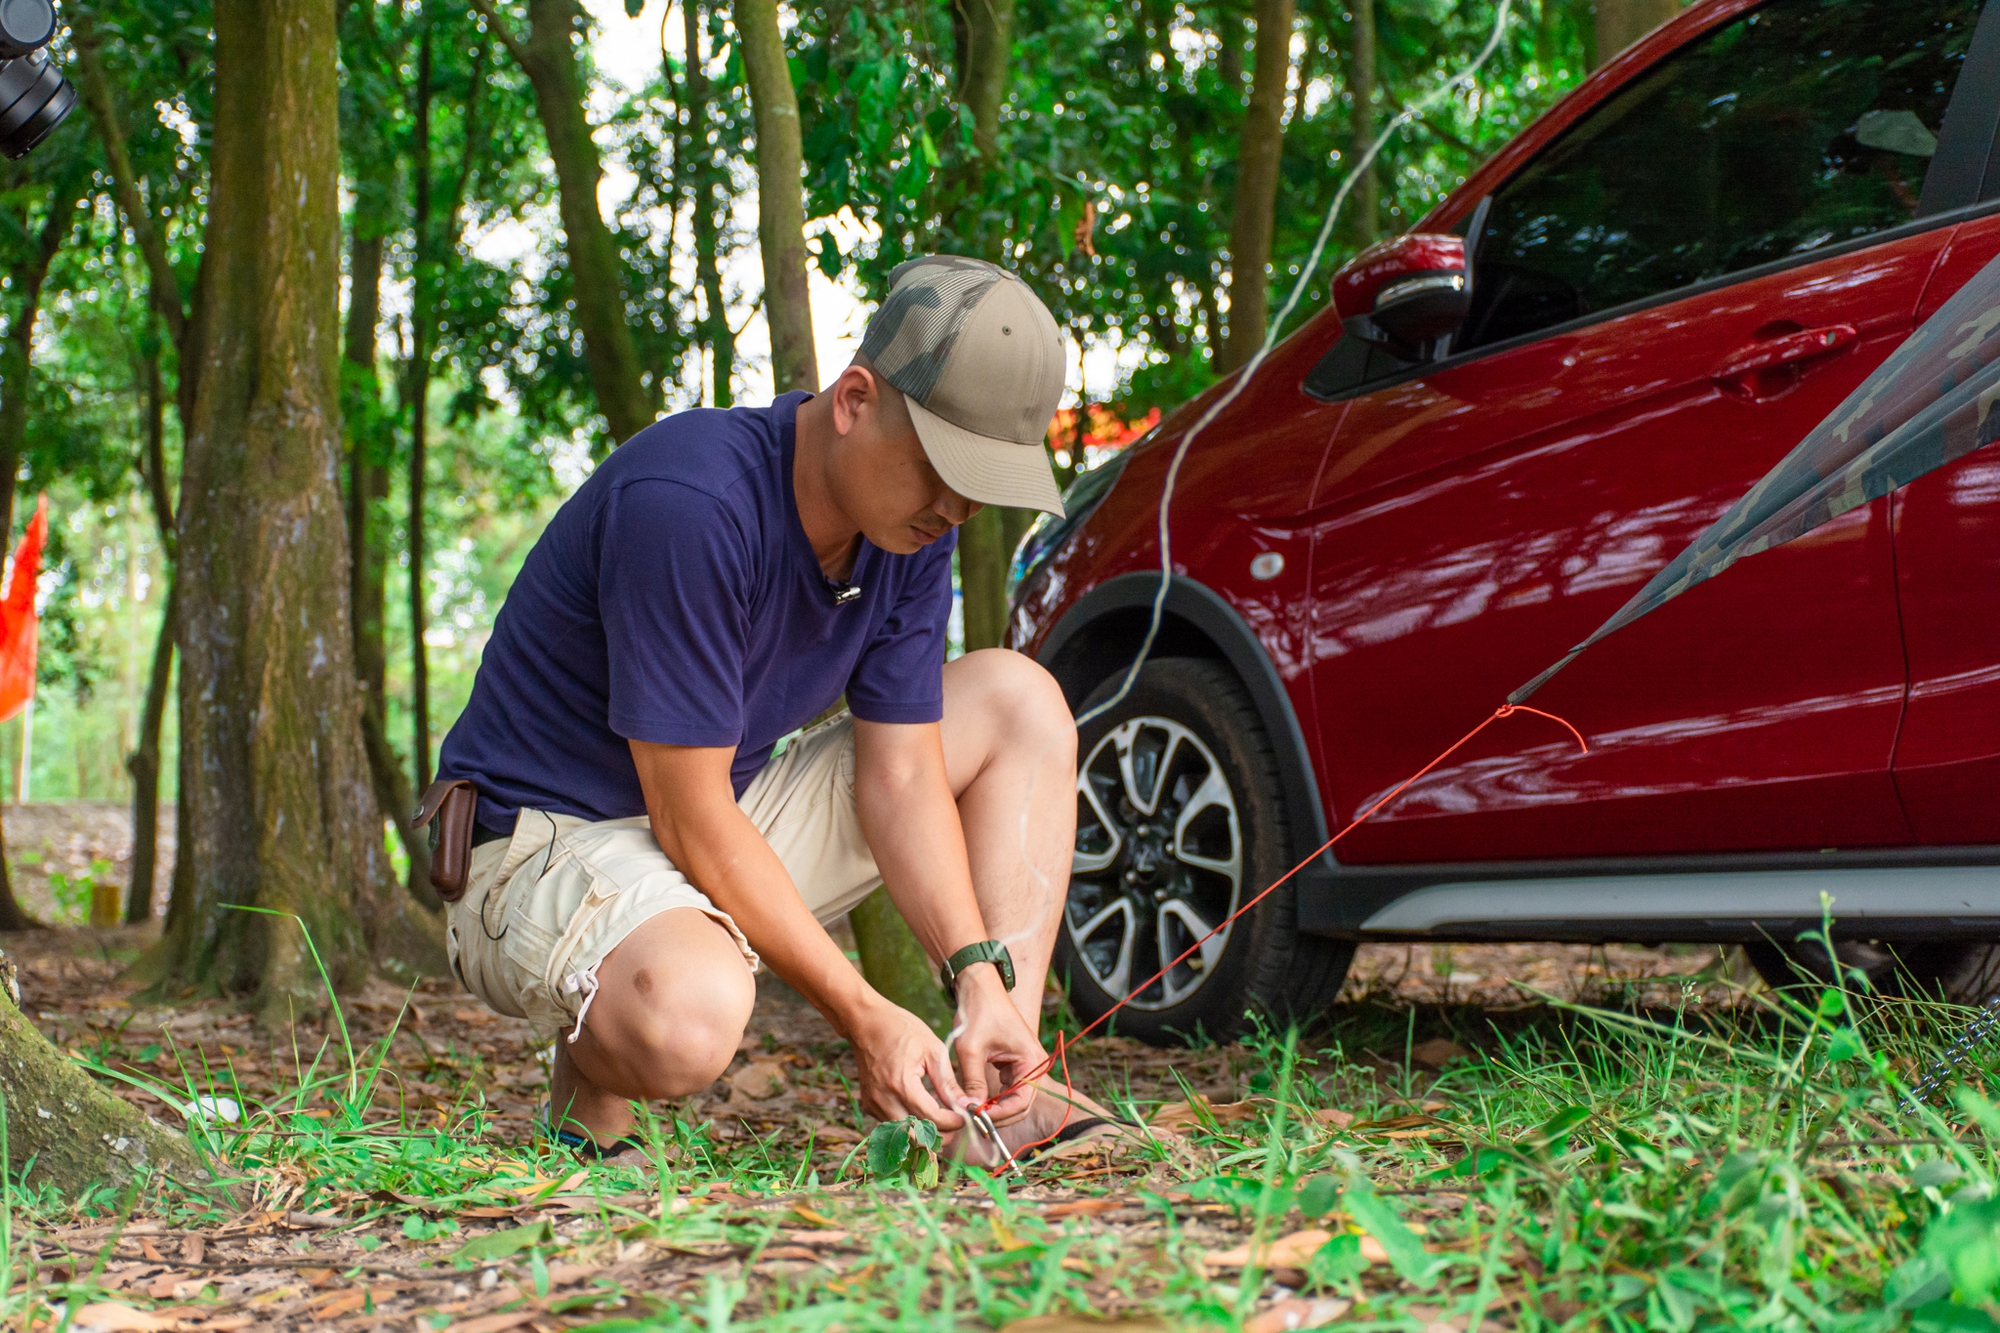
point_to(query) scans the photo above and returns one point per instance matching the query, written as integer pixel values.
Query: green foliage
(905, 1148)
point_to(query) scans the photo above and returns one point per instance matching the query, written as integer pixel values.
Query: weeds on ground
(1589, 1169)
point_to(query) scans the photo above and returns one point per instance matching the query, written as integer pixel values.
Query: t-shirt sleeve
(900, 677)
(675, 571)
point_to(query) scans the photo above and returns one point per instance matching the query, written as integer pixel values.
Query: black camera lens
(34, 99)
(25, 25)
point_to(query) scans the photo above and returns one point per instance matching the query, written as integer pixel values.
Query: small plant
(86, 897)
(906, 1147)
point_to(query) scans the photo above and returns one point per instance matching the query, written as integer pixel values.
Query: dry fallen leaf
(1438, 1052)
(1285, 1252)
(1081, 1208)
(835, 1134)
(1296, 1313)
(1076, 1323)
(1182, 1114)
(760, 1080)
(110, 1317)
(1334, 1119)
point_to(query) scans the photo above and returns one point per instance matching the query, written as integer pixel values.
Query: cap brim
(993, 472)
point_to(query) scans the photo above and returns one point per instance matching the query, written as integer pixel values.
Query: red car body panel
(1446, 537)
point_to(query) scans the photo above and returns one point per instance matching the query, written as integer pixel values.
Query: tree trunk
(282, 815)
(1616, 24)
(144, 761)
(1255, 205)
(698, 159)
(895, 964)
(78, 1135)
(144, 765)
(368, 490)
(416, 400)
(16, 366)
(986, 29)
(1364, 204)
(781, 214)
(596, 271)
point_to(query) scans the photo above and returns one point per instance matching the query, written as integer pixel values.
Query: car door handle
(1739, 371)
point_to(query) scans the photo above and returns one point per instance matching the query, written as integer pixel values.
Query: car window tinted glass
(1801, 125)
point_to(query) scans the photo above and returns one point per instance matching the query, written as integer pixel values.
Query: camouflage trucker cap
(980, 360)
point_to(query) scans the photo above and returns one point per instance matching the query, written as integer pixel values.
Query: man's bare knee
(1021, 699)
(697, 1024)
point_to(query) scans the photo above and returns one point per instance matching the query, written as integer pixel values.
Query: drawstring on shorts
(582, 983)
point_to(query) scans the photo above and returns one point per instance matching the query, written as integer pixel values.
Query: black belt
(481, 835)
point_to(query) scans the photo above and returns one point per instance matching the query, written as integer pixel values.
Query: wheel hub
(1158, 864)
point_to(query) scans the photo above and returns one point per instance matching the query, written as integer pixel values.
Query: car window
(1801, 125)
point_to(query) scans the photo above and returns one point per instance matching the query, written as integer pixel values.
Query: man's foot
(1057, 1115)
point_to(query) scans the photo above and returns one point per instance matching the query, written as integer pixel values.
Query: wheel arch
(1097, 636)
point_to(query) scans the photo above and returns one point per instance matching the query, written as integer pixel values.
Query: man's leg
(1010, 755)
(673, 999)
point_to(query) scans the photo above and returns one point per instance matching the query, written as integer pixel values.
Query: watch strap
(986, 951)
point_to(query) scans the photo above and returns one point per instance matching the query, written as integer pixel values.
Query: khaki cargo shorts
(542, 909)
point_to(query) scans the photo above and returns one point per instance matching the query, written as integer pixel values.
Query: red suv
(1579, 361)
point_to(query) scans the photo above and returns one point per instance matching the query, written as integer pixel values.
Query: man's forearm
(911, 823)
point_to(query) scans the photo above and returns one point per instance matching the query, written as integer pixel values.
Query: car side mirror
(1405, 293)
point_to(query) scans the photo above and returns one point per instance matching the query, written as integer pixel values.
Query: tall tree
(282, 818)
(697, 163)
(781, 217)
(1253, 210)
(1364, 205)
(1619, 23)
(983, 41)
(179, 311)
(548, 55)
(33, 250)
(144, 761)
(370, 91)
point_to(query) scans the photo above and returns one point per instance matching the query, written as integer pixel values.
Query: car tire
(1186, 745)
(1956, 971)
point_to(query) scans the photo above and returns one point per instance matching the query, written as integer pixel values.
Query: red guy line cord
(1063, 1044)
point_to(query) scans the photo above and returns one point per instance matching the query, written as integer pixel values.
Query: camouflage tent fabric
(1936, 399)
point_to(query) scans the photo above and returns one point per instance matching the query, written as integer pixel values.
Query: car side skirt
(1905, 903)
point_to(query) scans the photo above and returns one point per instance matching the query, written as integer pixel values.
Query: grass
(1583, 1168)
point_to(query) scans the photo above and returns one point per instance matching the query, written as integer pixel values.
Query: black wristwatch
(986, 951)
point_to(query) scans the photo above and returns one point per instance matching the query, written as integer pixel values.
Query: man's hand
(995, 1048)
(896, 1052)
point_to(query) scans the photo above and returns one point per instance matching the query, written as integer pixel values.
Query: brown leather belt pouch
(449, 807)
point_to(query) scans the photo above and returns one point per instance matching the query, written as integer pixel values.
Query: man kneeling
(645, 836)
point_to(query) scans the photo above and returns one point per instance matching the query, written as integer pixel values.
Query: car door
(1665, 300)
(1947, 527)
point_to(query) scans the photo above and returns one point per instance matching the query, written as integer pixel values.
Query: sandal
(583, 1145)
(1074, 1130)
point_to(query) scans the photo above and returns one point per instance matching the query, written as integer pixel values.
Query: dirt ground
(346, 1253)
(67, 838)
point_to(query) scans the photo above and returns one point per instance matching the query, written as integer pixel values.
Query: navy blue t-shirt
(675, 599)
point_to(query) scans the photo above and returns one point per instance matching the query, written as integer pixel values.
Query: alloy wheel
(1158, 862)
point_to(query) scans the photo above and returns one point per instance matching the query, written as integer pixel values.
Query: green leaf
(634, 8)
(1407, 1255)
(1944, 1317)
(1832, 1004)
(929, 145)
(1339, 1260)
(500, 1244)
(910, 181)
(1319, 1196)
(827, 254)
(1843, 1045)
(1557, 1126)
(888, 1148)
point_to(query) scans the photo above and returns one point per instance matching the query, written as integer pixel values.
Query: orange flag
(18, 622)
